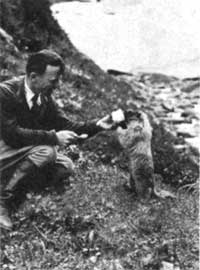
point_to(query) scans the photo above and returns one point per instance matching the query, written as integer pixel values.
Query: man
(32, 126)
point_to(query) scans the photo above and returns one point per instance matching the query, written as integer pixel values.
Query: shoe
(5, 221)
(23, 170)
(58, 175)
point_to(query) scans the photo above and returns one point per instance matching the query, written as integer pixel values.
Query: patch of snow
(138, 35)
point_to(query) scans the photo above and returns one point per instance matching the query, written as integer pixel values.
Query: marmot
(134, 133)
(135, 139)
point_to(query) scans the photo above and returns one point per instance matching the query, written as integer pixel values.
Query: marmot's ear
(128, 114)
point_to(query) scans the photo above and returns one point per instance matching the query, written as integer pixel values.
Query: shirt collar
(29, 94)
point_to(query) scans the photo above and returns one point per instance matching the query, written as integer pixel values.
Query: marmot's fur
(136, 141)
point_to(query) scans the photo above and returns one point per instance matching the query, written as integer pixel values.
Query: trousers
(42, 156)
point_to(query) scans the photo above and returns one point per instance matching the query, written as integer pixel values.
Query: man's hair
(37, 62)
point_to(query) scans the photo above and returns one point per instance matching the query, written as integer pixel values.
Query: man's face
(48, 81)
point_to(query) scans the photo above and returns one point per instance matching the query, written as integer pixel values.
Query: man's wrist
(57, 141)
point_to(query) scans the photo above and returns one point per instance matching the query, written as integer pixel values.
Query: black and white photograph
(99, 134)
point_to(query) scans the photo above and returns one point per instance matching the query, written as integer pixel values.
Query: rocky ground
(175, 103)
(95, 222)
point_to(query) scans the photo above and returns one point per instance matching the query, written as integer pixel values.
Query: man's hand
(105, 122)
(66, 137)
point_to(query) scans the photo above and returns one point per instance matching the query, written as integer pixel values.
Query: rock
(188, 130)
(162, 96)
(117, 265)
(29, 196)
(161, 193)
(168, 106)
(119, 227)
(180, 147)
(177, 267)
(189, 113)
(157, 78)
(197, 110)
(147, 259)
(118, 72)
(60, 103)
(93, 259)
(174, 117)
(194, 143)
(167, 266)
(167, 90)
(91, 236)
(189, 88)
(184, 103)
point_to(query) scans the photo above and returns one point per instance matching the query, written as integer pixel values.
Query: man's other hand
(66, 137)
(105, 122)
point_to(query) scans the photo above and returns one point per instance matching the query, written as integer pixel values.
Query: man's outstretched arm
(61, 122)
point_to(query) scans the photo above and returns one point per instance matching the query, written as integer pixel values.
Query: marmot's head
(136, 127)
(129, 116)
(138, 118)
(132, 115)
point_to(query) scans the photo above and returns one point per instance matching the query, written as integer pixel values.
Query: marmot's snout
(138, 114)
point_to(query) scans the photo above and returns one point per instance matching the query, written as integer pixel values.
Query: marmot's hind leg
(143, 188)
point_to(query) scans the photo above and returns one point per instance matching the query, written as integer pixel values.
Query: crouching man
(32, 125)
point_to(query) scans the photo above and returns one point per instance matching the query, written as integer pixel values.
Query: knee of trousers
(66, 163)
(43, 155)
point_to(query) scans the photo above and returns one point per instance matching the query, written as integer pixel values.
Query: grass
(97, 224)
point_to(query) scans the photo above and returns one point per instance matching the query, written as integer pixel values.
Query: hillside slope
(33, 27)
(96, 223)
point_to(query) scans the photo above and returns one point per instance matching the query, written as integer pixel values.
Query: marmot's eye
(138, 129)
(138, 114)
(133, 115)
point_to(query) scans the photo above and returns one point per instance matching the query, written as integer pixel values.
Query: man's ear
(33, 76)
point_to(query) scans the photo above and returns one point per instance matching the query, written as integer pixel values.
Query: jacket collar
(21, 98)
(21, 89)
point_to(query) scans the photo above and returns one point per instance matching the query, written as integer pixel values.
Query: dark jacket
(20, 127)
